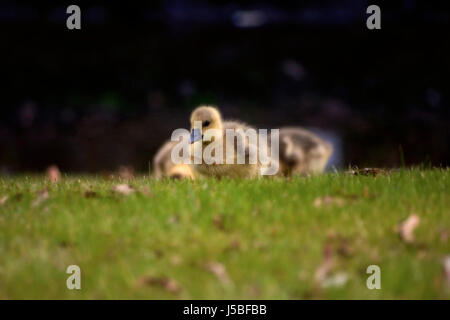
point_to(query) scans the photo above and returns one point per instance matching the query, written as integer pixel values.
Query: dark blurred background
(111, 93)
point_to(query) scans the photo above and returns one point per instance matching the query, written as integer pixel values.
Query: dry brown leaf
(323, 275)
(168, 284)
(219, 271)
(324, 269)
(53, 173)
(328, 201)
(124, 189)
(406, 228)
(41, 197)
(3, 199)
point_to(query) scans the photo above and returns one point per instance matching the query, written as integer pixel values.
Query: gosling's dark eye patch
(206, 123)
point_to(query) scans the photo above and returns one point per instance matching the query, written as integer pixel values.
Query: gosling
(302, 152)
(205, 118)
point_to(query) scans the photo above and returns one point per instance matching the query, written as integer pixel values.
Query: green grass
(267, 234)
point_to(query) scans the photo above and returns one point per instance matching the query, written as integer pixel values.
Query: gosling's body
(233, 170)
(164, 167)
(211, 119)
(302, 152)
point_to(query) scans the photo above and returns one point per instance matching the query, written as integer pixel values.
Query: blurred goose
(164, 167)
(205, 118)
(302, 152)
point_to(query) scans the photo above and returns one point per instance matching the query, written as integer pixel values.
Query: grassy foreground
(301, 238)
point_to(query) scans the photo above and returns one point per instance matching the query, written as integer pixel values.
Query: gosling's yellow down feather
(210, 118)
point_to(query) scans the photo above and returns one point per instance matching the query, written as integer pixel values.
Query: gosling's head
(204, 118)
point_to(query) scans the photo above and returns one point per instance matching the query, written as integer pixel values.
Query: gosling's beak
(196, 135)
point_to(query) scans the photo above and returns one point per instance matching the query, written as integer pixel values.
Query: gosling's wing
(305, 139)
(235, 124)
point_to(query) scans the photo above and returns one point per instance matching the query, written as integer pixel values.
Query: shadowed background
(109, 94)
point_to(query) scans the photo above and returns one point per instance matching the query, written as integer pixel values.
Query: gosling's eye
(206, 123)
